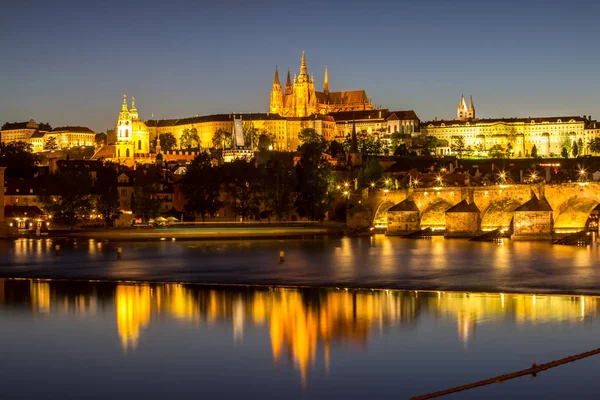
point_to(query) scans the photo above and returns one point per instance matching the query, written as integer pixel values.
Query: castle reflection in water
(301, 322)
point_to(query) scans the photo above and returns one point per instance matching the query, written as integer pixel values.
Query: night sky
(69, 62)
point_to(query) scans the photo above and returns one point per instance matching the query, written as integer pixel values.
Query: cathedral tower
(461, 110)
(304, 91)
(276, 105)
(326, 83)
(471, 109)
(289, 89)
(124, 146)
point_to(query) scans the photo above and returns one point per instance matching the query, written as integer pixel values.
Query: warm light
(270, 147)
(346, 184)
(338, 186)
(346, 193)
(386, 190)
(387, 181)
(372, 184)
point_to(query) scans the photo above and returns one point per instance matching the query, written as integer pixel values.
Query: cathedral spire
(303, 72)
(124, 106)
(326, 82)
(288, 85)
(133, 111)
(276, 79)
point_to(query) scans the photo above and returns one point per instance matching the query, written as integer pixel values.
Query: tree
(401, 150)
(314, 184)
(67, 196)
(581, 146)
(276, 189)
(496, 151)
(18, 159)
(265, 141)
(371, 171)
(189, 139)
(567, 148)
(534, 153)
(336, 149)
(594, 145)
(509, 150)
(145, 201)
(221, 139)
(309, 135)
(575, 149)
(242, 185)
(251, 135)
(107, 194)
(100, 139)
(201, 187)
(431, 143)
(367, 144)
(458, 145)
(51, 144)
(167, 141)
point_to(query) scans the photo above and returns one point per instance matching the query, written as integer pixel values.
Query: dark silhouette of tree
(241, 180)
(145, 201)
(107, 194)
(371, 171)
(18, 159)
(314, 183)
(201, 187)
(534, 152)
(67, 196)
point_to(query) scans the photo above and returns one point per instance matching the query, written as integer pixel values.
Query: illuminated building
(71, 136)
(300, 99)
(516, 135)
(133, 139)
(21, 131)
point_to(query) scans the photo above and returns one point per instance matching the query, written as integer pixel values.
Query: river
(371, 262)
(99, 340)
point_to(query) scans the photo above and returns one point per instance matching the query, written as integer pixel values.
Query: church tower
(471, 109)
(326, 83)
(461, 110)
(276, 105)
(304, 87)
(124, 146)
(289, 89)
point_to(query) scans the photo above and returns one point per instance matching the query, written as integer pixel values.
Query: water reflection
(302, 324)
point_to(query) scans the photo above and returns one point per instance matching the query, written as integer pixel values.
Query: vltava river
(377, 262)
(84, 340)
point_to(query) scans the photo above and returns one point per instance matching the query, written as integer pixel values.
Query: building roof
(537, 120)
(106, 151)
(212, 118)
(535, 204)
(38, 134)
(20, 125)
(22, 211)
(403, 115)
(463, 207)
(344, 97)
(359, 115)
(405, 205)
(21, 187)
(76, 129)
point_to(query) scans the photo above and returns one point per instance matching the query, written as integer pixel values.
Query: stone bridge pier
(535, 211)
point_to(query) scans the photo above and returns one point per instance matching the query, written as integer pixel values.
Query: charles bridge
(527, 211)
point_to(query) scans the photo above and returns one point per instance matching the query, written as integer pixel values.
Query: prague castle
(518, 135)
(302, 100)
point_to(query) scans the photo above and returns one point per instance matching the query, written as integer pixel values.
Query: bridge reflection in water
(301, 322)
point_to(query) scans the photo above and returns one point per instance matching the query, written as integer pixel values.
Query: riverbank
(205, 232)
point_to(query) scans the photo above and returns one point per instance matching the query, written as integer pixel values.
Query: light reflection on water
(382, 262)
(316, 331)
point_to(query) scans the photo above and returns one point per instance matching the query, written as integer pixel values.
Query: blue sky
(69, 62)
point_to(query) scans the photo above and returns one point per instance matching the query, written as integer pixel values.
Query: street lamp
(347, 194)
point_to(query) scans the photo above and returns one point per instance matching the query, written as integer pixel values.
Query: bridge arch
(380, 218)
(499, 214)
(434, 216)
(573, 214)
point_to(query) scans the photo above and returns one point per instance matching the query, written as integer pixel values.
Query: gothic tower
(326, 82)
(304, 88)
(471, 109)
(461, 110)
(276, 105)
(289, 90)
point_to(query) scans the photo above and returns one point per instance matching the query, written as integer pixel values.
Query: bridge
(534, 211)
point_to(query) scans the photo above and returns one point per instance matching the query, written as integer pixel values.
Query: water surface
(76, 340)
(379, 262)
